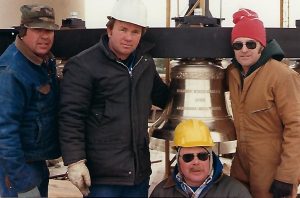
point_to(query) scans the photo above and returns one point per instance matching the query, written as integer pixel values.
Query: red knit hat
(247, 24)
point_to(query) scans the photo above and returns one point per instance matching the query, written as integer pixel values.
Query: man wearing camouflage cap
(28, 94)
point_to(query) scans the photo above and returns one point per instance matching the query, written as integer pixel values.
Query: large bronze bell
(197, 87)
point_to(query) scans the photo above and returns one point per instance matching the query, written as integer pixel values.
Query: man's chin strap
(211, 161)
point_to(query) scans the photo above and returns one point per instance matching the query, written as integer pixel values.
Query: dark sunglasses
(239, 45)
(188, 157)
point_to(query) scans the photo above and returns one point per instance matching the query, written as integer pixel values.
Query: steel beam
(210, 42)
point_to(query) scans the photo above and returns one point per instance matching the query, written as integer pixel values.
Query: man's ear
(109, 32)
(261, 49)
(22, 31)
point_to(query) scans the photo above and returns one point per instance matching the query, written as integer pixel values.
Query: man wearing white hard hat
(198, 172)
(106, 97)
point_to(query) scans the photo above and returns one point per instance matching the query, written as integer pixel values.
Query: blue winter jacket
(28, 117)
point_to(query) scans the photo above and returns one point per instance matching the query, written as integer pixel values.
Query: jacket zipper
(132, 124)
(131, 69)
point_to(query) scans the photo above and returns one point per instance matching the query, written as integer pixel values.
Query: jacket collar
(169, 183)
(24, 49)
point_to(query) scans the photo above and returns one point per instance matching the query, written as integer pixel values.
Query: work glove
(33, 193)
(281, 189)
(79, 176)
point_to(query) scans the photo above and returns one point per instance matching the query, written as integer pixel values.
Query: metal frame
(210, 42)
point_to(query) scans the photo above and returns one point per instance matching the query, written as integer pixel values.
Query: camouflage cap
(38, 16)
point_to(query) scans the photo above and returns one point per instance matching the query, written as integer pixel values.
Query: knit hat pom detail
(247, 24)
(243, 14)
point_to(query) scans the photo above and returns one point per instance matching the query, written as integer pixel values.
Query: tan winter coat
(266, 111)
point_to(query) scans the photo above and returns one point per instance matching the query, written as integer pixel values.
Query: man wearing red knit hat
(266, 109)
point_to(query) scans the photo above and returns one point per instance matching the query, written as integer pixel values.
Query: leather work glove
(79, 176)
(34, 193)
(281, 189)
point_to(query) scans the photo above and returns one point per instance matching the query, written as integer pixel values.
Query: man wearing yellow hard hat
(198, 172)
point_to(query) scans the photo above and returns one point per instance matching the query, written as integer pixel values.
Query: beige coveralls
(266, 111)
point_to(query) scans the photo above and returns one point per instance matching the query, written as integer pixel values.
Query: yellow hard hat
(190, 133)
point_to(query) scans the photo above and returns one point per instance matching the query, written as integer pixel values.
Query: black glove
(280, 189)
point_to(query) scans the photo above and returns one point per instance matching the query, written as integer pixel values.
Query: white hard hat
(131, 11)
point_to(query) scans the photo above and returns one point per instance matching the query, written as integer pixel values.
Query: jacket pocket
(260, 106)
(101, 119)
(45, 98)
(263, 109)
(98, 117)
(39, 130)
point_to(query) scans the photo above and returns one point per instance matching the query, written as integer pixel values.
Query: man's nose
(128, 36)
(244, 48)
(196, 160)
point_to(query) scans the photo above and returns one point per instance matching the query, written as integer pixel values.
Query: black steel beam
(297, 23)
(7, 36)
(211, 42)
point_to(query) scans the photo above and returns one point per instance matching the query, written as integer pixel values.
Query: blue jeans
(40, 167)
(140, 190)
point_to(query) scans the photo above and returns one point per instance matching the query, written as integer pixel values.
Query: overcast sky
(268, 11)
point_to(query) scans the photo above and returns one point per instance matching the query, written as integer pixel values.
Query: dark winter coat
(104, 113)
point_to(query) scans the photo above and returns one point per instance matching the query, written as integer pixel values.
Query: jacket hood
(272, 50)
(142, 48)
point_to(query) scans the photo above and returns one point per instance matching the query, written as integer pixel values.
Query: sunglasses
(188, 157)
(239, 45)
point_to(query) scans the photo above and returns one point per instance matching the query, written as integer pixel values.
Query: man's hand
(79, 176)
(34, 193)
(281, 189)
